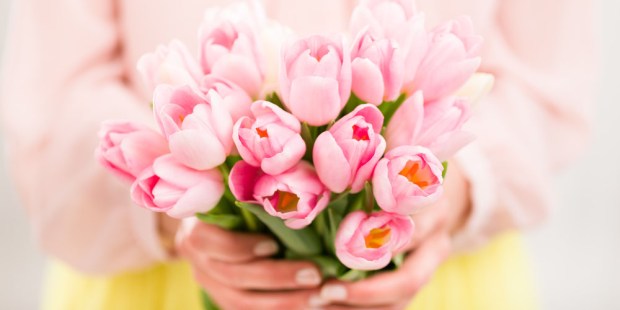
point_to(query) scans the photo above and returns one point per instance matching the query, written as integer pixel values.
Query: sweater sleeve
(536, 119)
(62, 76)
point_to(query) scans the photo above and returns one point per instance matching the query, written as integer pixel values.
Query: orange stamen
(377, 237)
(418, 173)
(287, 202)
(262, 133)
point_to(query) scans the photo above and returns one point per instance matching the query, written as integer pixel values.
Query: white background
(576, 255)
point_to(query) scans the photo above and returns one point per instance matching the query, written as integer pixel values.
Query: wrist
(167, 228)
(458, 194)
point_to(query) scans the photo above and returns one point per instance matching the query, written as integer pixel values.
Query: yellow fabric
(497, 276)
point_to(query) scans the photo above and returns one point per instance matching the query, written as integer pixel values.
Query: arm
(536, 119)
(62, 76)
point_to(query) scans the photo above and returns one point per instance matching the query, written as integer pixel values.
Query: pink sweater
(70, 64)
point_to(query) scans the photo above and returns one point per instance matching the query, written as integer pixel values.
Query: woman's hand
(430, 246)
(236, 270)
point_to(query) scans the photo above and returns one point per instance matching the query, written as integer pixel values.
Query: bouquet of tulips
(329, 143)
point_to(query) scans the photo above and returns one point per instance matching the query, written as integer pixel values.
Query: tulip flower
(368, 241)
(270, 139)
(172, 64)
(347, 153)
(451, 59)
(296, 196)
(198, 126)
(398, 21)
(171, 187)
(377, 67)
(229, 49)
(407, 179)
(126, 148)
(435, 125)
(315, 79)
(236, 100)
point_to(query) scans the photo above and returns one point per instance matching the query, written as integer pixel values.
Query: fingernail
(308, 276)
(316, 302)
(334, 292)
(266, 248)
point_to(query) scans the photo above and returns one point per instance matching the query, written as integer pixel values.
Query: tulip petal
(405, 125)
(314, 100)
(331, 165)
(198, 199)
(367, 81)
(291, 154)
(382, 187)
(242, 180)
(198, 149)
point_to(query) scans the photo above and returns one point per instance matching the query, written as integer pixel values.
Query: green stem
(307, 136)
(369, 199)
(251, 222)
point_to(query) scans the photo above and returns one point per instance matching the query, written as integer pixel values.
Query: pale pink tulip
(377, 67)
(315, 79)
(368, 241)
(126, 148)
(296, 196)
(407, 179)
(347, 153)
(436, 125)
(451, 59)
(399, 21)
(270, 139)
(170, 64)
(228, 48)
(171, 187)
(383, 17)
(236, 100)
(198, 126)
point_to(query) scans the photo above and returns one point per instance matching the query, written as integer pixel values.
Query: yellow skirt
(497, 276)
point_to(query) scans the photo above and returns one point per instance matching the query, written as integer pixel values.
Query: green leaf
(445, 169)
(330, 267)
(207, 301)
(353, 102)
(398, 259)
(226, 221)
(354, 275)
(232, 160)
(389, 108)
(308, 137)
(305, 242)
(275, 99)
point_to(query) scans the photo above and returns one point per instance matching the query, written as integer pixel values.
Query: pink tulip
(346, 155)
(407, 179)
(126, 148)
(198, 126)
(172, 64)
(383, 17)
(451, 59)
(396, 20)
(228, 48)
(296, 196)
(368, 241)
(435, 125)
(270, 140)
(171, 187)
(236, 100)
(315, 79)
(377, 67)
